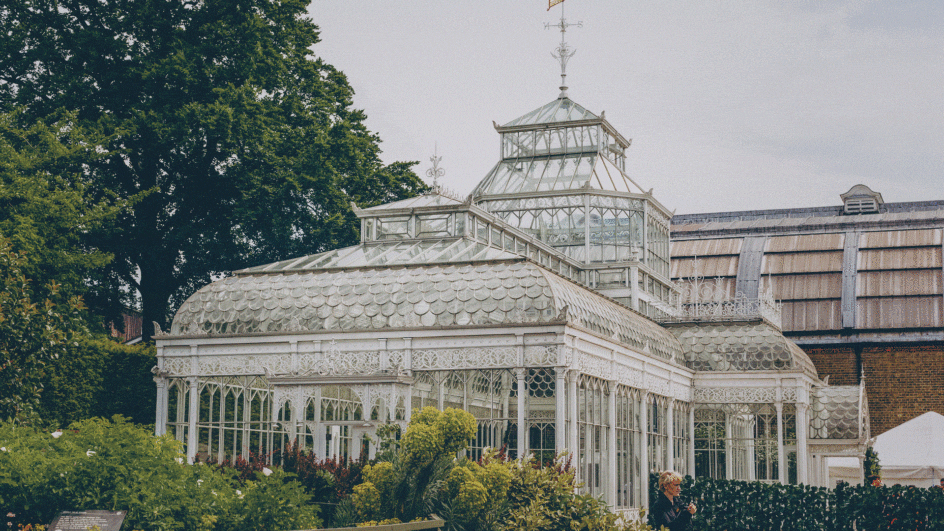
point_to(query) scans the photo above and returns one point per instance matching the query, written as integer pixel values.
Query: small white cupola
(860, 199)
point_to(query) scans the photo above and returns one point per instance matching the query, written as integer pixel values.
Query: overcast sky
(730, 105)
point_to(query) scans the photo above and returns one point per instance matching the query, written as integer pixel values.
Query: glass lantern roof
(444, 250)
(582, 171)
(559, 110)
(426, 200)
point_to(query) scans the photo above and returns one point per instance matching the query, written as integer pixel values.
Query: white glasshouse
(542, 304)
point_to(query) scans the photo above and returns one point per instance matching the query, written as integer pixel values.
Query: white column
(670, 434)
(560, 415)
(319, 443)
(781, 456)
(572, 423)
(644, 448)
(802, 423)
(611, 470)
(160, 415)
(408, 367)
(522, 430)
(194, 416)
(691, 440)
(729, 447)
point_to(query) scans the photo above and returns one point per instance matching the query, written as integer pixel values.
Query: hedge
(100, 378)
(754, 506)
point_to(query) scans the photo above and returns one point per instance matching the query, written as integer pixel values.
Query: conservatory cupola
(562, 179)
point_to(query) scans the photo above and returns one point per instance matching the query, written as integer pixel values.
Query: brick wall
(837, 363)
(901, 382)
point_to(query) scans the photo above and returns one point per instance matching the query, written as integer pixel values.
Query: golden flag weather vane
(552, 3)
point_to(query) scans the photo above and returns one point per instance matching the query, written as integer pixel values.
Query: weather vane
(563, 52)
(435, 172)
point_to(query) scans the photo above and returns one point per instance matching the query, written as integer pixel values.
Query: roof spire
(563, 52)
(435, 172)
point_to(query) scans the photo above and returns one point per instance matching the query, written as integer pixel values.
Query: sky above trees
(730, 105)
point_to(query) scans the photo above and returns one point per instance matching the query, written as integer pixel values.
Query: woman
(669, 510)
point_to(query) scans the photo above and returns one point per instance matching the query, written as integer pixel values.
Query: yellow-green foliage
(433, 433)
(366, 499)
(431, 436)
(478, 491)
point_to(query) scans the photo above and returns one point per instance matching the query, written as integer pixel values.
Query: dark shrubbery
(99, 377)
(753, 506)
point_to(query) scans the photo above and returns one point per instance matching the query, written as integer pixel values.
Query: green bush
(748, 506)
(115, 465)
(99, 377)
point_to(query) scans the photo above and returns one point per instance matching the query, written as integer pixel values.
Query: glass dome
(751, 346)
(409, 297)
(835, 412)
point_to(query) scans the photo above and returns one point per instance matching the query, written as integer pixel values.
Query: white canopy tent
(910, 454)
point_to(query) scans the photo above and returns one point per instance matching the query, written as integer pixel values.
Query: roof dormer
(860, 199)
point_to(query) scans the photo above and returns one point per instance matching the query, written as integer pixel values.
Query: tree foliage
(47, 209)
(237, 144)
(34, 332)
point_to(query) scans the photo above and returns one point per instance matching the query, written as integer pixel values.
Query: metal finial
(435, 172)
(563, 52)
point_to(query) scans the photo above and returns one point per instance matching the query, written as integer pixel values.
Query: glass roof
(431, 199)
(834, 412)
(739, 347)
(542, 174)
(390, 253)
(559, 110)
(413, 296)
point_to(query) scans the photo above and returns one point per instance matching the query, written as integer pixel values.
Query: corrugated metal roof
(708, 267)
(806, 242)
(905, 258)
(900, 238)
(811, 286)
(809, 262)
(688, 248)
(907, 282)
(899, 312)
(811, 315)
(813, 222)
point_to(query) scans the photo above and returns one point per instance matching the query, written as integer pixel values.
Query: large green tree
(237, 145)
(47, 211)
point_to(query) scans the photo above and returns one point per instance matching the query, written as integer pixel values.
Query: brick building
(861, 285)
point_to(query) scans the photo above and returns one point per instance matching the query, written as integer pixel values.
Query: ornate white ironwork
(540, 355)
(564, 52)
(465, 358)
(369, 396)
(435, 172)
(227, 365)
(708, 299)
(594, 366)
(630, 377)
(657, 385)
(735, 395)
